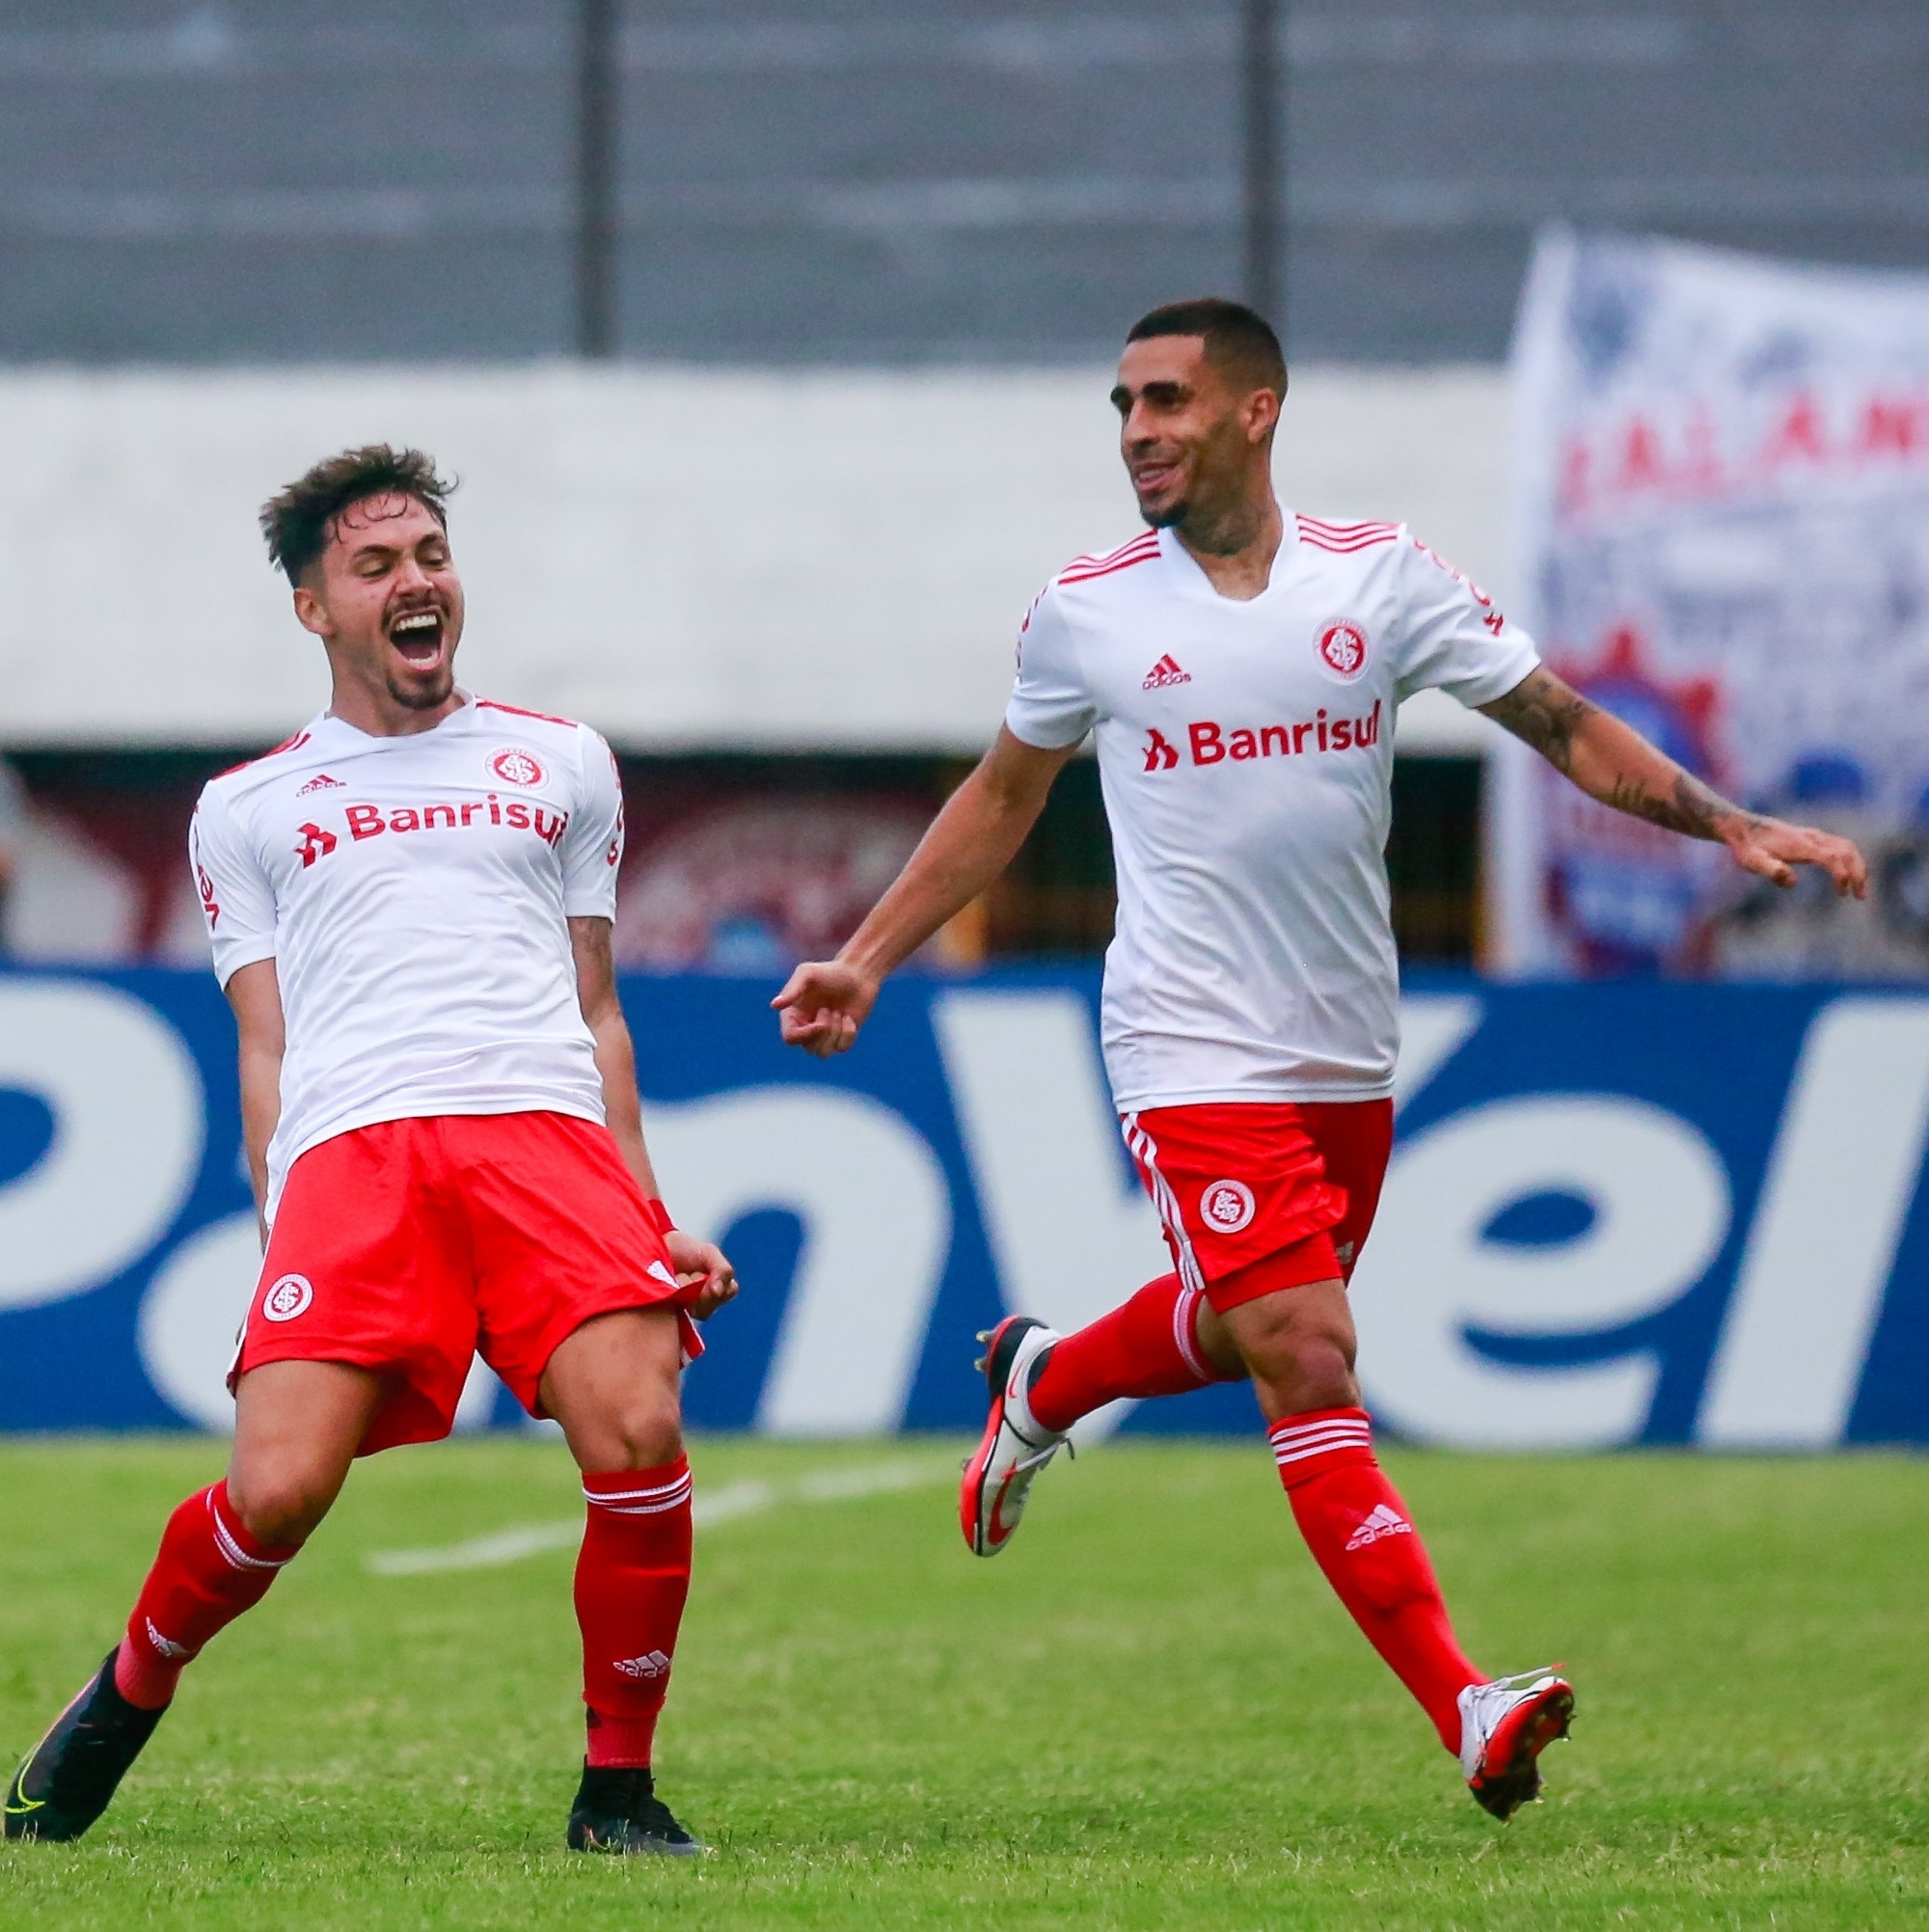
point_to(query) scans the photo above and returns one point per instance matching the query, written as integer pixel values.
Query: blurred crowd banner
(1722, 522)
(1631, 1212)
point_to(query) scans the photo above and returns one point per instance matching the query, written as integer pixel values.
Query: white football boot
(1505, 1727)
(1016, 1446)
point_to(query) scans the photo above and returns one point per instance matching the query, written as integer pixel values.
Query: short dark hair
(299, 521)
(1238, 339)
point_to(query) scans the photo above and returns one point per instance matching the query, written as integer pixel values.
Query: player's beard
(416, 695)
(1169, 518)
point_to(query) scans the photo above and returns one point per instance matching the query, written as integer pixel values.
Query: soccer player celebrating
(1240, 667)
(410, 904)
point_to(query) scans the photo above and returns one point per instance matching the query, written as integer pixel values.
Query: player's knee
(1323, 1372)
(1297, 1373)
(647, 1427)
(281, 1507)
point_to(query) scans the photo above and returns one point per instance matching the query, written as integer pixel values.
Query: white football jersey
(413, 893)
(1247, 756)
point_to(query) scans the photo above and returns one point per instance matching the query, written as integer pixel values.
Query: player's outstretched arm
(254, 992)
(696, 1262)
(1613, 762)
(969, 843)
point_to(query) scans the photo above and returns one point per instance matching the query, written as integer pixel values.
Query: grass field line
(710, 1508)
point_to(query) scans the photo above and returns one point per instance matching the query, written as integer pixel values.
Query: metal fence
(861, 182)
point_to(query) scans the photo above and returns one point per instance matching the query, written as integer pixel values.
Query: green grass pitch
(1148, 1713)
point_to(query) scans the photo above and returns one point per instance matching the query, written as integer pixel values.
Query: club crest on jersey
(287, 1297)
(1227, 1205)
(514, 766)
(1343, 649)
(1165, 672)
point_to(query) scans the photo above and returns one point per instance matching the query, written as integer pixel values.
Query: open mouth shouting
(420, 637)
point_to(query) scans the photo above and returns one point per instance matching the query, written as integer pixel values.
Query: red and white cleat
(1016, 1446)
(1505, 1727)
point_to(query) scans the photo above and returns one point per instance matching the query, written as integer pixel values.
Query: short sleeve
(1453, 637)
(592, 848)
(237, 897)
(1051, 706)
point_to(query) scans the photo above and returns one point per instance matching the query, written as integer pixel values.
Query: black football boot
(75, 1769)
(617, 1811)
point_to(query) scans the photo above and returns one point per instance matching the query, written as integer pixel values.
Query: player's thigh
(1237, 1185)
(1354, 1139)
(297, 1429)
(367, 1265)
(560, 1236)
(614, 1385)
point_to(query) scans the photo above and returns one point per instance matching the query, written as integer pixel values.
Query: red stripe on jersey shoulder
(293, 744)
(517, 711)
(1343, 538)
(1082, 569)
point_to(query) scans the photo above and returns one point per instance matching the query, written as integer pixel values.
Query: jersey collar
(1192, 581)
(353, 734)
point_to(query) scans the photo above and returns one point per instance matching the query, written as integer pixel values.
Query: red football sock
(1360, 1536)
(631, 1581)
(208, 1570)
(1150, 1346)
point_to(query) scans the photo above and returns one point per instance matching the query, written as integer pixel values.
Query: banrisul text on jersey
(415, 894)
(1246, 754)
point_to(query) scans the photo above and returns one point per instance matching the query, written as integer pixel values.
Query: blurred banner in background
(1618, 1214)
(1721, 516)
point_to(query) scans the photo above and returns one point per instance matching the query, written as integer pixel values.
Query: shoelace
(1522, 1677)
(1028, 1463)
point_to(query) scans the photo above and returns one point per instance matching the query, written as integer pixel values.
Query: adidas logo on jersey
(1166, 672)
(1383, 1522)
(321, 782)
(654, 1665)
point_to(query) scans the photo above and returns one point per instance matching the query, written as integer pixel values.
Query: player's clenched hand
(706, 1277)
(1774, 850)
(822, 1006)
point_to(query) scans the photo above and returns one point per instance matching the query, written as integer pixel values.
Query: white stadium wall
(686, 559)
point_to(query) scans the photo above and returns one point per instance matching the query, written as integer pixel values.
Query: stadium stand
(862, 183)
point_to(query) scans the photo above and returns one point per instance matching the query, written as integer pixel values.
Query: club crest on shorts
(514, 766)
(1227, 1205)
(1342, 648)
(287, 1297)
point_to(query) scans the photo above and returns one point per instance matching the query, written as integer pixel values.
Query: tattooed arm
(1613, 762)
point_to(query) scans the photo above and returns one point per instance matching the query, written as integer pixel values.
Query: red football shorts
(1256, 1196)
(409, 1246)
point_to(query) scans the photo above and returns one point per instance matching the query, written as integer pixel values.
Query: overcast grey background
(876, 181)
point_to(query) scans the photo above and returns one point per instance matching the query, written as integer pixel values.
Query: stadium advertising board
(1721, 481)
(1632, 1212)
